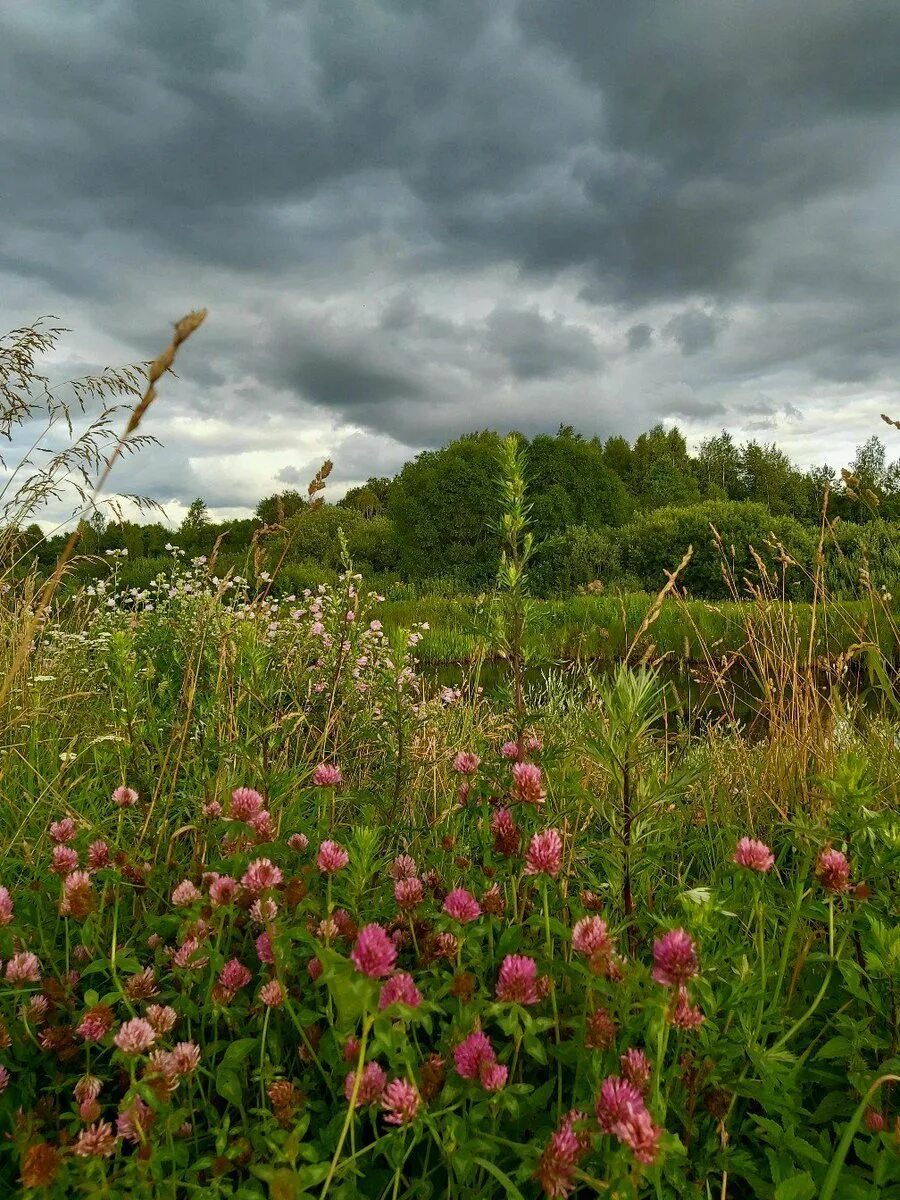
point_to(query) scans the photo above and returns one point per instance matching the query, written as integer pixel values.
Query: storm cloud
(413, 218)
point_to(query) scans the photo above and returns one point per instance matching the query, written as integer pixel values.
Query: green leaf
(797, 1187)
(492, 1169)
(228, 1085)
(237, 1051)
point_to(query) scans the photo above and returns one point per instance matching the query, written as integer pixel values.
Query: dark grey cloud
(414, 217)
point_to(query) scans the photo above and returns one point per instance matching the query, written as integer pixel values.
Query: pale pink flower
(262, 826)
(264, 949)
(374, 953)
(618, 1099)
(23, 968)
(96, 1023)
(185, 1058)
(97, 1141)
(77, 897)
(510, 750)
(557, 1165)
(298, 842)
(674, 958)
(636, 1068)
(134, 1122)
(403, 867)
(466, 763)
(591, 937)
(331, 857)
(36, 1011)
(544, 854)
(640, 1134)
(408, 893)
(400, 1101)
(400, 989)
(261, 874)
(62, 831)
(462, 905)
(517, 980)
(234, 975)
(833, 870)
(314, 968)
(272, 994)
(754, 855)
(184, 894)
(350, 1051)
(135, 1036)
(493, 1076)
(212, 809)
(162, 1017)
(6, 906)
(264, 910)
(446, 945)
(245, 804)
(189, 955)
(326, 775)
(371, 1085)
(534, 745)
(98, 855)
(222, 890)
(528, 783)
(64, 860)
(124, 797)
(88, 1087)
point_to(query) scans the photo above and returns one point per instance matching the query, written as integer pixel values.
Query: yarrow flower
(466, 763)
(517, 980)
(331, 857)
(674, 958)
(400, 989)
(400, 1100)
(135, 1036)
(261, 874)
(833, 871)
(325, 775)
(374, 953)
(528, 783)
(462, 905)
(371, 1085)
(754, 855)
(544, 854)
(124, 797)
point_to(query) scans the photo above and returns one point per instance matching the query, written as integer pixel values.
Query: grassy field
(279, 918)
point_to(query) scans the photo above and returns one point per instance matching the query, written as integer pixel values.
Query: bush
(573, 559)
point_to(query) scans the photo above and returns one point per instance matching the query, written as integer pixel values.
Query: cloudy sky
(414, 218)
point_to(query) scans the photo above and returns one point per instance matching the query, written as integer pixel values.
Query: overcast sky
(414, 218)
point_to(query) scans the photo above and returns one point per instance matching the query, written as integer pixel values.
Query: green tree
(569, 483)
(280, 507)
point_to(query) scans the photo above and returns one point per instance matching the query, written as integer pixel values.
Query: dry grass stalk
(317, 484)
(656, 607)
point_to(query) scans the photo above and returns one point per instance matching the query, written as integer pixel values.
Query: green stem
(836, 1165)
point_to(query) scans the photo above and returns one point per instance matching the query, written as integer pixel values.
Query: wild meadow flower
(505, 832)
(142, 985)
(557, 1165)
(350, 1050)
(78, 897)
(403, 867)
(493, 1076)
(400, 1101)
(618, 1098)
(466, 763)
(528, 783)
(462, 905)
(135, 1036)
(683, 1014)
(211, 810)
(262, 826)
(272, 994)
(6, 906)
(635, 1067)
(314, 968)
(62, 831)
(326, 775)
(510, 750)
(234, 975)
(285, 1098)
(64, 860)
(408, 893)
(674, 958)
(4, 1079)
(189, 955)
(261, 874)
(222, 890)
(298, 842)
(400, 989)
(162, 1018)
(371, 1085)
(264, 949)
(517, 980)
(472, 1053)
(36, 1010)
(40, 1165)
(264, 910)
(96, 1023)
(833, 871)
(600, 1030)
(97, 1141)
(638, 1131)
(754, 855)
(184, 894)
(88, 1087)
(23, 967)
(185, 1058)
(98, 855)
(133, 1122)
(124, 797)
(591, 937)
(874, 1120)
(446, 945)
(374, 953)
(332, 857)
(544, 854)
(245, 804)
(492, 901)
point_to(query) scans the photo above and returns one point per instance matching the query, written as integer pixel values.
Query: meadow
(284, 916)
